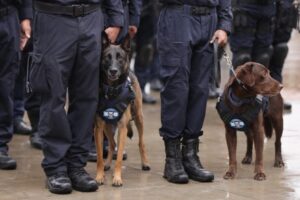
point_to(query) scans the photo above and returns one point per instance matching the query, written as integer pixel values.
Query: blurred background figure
(146, 60)
(286, 20)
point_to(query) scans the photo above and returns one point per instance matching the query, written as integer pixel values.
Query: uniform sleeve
(25, 10)
(224, 15)
(135, 7)
(115, 12)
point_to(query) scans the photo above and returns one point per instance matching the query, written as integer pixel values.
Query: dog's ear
(105, 41)
(126, 44)
(246, 75)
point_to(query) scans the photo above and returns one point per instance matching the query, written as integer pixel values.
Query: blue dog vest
(114, 100)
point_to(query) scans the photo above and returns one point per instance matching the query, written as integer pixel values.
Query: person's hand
(112, 33)
(221, 37)
(132, 31)
(25, 33)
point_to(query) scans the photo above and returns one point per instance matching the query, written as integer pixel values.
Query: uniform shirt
(113, 8)
(24, 7)
(223, 10)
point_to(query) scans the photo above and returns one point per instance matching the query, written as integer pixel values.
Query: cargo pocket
(172, 56)
(38, 79)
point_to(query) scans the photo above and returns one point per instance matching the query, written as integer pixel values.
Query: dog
(251, 102)
(120, 101)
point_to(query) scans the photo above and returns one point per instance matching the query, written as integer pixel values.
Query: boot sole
(195, 178)
(87, 189)
(8, 166)
(177, 182)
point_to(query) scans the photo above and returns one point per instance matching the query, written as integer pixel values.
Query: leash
(230, 66)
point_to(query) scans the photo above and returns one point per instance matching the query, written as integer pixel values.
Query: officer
(132, 12)
(286, 20)
(186, 32)
(67, 49)
(145, 47)
(14, 36)
(253, 31)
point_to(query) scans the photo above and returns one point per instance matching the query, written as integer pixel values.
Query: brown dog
(241, 109)
(120, 101)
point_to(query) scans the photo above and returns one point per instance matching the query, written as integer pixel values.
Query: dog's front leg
(231, 140)
(98, 134)
(109, 133)
(122, 134)
(258, 135)
(248, 156)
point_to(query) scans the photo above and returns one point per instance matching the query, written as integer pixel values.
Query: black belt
(257, 2)
(193, 10)
(5, 11)
(75, 10)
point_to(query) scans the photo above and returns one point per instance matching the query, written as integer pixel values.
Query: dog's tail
(268, 127)
(130, 131)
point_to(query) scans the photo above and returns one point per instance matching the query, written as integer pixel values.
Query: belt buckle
(78, 10)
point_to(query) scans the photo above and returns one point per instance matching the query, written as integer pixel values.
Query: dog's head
(257, 79)
(115, 58)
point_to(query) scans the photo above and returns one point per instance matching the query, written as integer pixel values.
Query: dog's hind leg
(98, 134)
(248, 156)
(278, 126)
(231, 140)
(109, 133)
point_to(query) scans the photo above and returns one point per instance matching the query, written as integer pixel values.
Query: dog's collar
(236, 101)
(112, 92)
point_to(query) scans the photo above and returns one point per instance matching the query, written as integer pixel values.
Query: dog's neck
(236, 95)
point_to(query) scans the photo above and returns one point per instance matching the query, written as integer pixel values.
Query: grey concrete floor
(28, 181)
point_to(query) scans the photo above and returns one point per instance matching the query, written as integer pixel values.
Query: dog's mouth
(113, 77)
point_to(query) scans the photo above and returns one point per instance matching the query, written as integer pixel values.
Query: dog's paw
(106, 167)
(117, 182)
(260, 176)
(229, 175)
(247, 160)
(279, 163)
(100, 179)
(146, 168)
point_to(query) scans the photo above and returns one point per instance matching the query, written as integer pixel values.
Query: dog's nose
(113, 71)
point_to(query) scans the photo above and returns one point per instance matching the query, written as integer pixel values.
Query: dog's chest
(113, 101)
(241, 120)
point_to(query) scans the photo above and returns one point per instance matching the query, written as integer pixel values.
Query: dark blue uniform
(186, 56)
(11, 12)
(67, 49)
(253, 31)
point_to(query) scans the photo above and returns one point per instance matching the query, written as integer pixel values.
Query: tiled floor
(28, 181)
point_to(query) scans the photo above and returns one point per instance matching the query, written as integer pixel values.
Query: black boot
(7, 162)
(59, 183)
(174, 171)
(35, 138)
(20, 127)
(82, 181)
(191, 161)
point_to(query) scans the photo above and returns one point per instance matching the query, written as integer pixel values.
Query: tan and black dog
(120, 102)
(241, 107)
